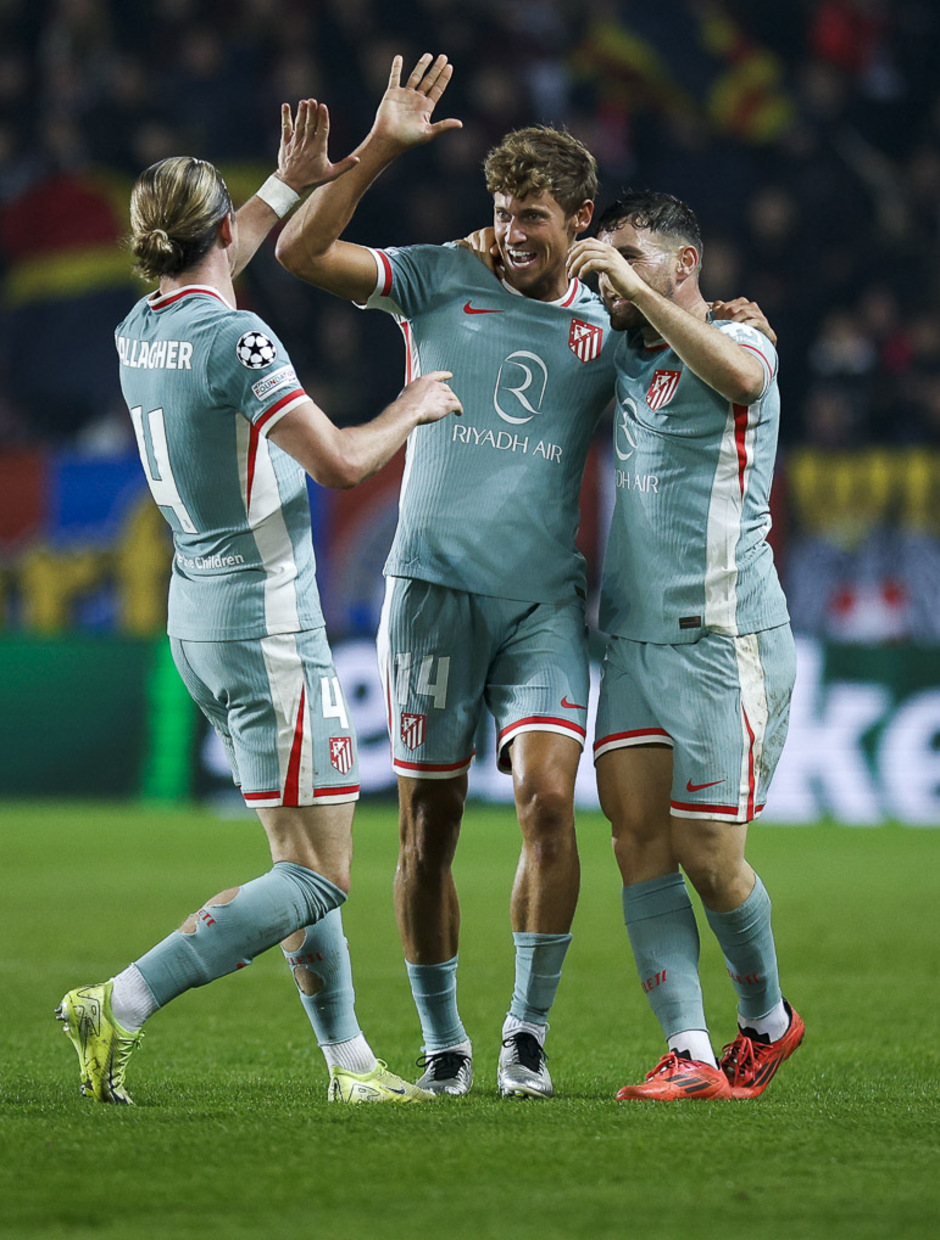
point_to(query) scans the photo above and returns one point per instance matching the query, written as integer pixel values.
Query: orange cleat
(750, 1064)
(676, 1077)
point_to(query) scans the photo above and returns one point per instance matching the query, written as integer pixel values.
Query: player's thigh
(726, 704)
(316, 836)
(539, 678)
(633, 753)
(432, 661)
(279, 702)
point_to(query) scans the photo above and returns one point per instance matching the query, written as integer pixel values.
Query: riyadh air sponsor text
(506, 441)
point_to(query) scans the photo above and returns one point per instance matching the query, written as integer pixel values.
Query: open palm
(404, 115)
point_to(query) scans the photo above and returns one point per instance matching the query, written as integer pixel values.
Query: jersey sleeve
(410, 279)
(755, 342)
(249, 369)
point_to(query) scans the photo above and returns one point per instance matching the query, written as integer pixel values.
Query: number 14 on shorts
(431, 673)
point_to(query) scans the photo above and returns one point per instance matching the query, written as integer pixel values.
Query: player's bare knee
(201, 915)
(545, 809)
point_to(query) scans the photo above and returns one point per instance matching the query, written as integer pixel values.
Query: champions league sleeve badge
(255, 350)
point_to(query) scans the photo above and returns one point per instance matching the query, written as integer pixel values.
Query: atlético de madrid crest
(663, 388)
(341, 753)
(413, 729)
(585, 340)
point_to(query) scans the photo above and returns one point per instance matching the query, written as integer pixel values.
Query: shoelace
(668, 1063)
(738, 1057)
(443, 1066)
(528, 1052)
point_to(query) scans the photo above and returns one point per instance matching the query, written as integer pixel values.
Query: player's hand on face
(482, 245)
(740, 310)
(592, 256)
(303, 161)
(432, 397)
(404, 115)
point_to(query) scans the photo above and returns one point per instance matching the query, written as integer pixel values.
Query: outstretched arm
(302, 164)
(718, 360)
(343, 456)
(309, 246)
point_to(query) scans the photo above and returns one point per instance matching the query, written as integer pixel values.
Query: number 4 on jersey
(150, 431)
(426, 687)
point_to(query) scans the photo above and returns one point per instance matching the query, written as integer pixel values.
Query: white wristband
(279, 196)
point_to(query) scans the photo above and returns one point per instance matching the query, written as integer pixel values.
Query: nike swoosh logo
(690, 787)
(571, 705)
(468, 309)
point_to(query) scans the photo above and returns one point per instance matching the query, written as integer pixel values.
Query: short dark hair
(654, 211)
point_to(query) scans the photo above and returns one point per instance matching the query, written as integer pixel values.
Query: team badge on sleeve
(255, 350)
(663, 388)
(341, 753)
(585, 340)
(413, 730)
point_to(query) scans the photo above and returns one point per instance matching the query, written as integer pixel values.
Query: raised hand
(302, 160)
(404, 114)
(592, 255)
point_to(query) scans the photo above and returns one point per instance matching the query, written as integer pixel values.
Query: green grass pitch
(232, 1135)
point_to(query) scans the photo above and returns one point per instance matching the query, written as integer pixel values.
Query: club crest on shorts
(341, 753)
(413, 730)
(663, 388)
(585, 340)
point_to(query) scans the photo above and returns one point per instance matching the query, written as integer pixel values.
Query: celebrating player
(700, 661)
(485, 594)
(221, 422)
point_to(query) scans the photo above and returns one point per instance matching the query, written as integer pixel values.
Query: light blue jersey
(489, 501)
(204, 384)
(688, 551)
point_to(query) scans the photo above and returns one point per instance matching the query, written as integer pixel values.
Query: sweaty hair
(539, 160)
(176, 205)
(656, 213)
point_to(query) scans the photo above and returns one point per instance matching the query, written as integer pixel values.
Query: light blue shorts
(723, 705)
(278, 708)
(446, 654)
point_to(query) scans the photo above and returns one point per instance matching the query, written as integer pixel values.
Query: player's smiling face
(533, 235)
(652, 258)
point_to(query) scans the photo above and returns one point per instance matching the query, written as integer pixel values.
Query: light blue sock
(228, 936)
(664, 936)
(434, 987)
(747, 942)
(539, 958)
(325, 953)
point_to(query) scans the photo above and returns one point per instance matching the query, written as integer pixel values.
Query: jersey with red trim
(489, 500)
(204, 384)
(688, 551)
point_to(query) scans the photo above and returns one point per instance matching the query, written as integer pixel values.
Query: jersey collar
(159, 301)
(565, 300)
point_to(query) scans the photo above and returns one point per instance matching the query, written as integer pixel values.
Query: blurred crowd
(806, 135)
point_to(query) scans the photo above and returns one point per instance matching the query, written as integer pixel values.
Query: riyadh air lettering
(505, 441)
(624, 448)
(520, 387)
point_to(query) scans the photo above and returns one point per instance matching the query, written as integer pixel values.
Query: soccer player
(485, 591)
(223, 426)
(700, 660)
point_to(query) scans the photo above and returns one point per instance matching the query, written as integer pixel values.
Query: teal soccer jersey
(204, 384)
(489, 501)
(688, 551)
